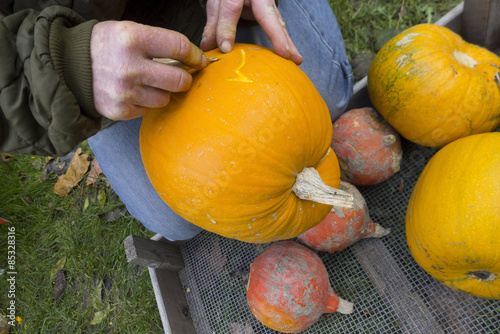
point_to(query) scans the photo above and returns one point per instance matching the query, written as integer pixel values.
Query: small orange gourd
(234, 153)
(368, 148)
(453, 217)
(343, 227)
(288, 288)
(433, 87)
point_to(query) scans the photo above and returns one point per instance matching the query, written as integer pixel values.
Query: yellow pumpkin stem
(309, 186)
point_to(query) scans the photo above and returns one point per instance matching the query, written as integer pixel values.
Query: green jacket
(46, 98)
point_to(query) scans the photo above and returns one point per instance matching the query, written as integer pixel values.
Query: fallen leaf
(76, 170)
(58, 267)
(4, 324)
(57, 166)
(101, 197)
(215, 260)
(235, 328)
(113, 215)
(96, 296)
(95, 172)
(59, 286)
(86, 203)
(100, 315)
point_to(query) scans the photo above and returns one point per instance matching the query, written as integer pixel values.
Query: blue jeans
(313, 28)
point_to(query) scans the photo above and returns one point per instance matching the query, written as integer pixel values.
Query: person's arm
(46, 99)
(61, 77)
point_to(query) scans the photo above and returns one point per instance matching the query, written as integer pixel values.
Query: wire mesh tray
(390, 292)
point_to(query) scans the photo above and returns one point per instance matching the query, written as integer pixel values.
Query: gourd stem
(380, 231)
(309, 186)
(345, 307)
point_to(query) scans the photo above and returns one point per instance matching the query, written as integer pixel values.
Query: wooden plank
(453, 19)
(171, 301)
(154, 254)
(396, 291)
(481, 22)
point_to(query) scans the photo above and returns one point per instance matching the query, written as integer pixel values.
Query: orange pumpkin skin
(343, 227)
(433, 87)
(288, 288)
(453, 217)
(225, 154)
(368, 148)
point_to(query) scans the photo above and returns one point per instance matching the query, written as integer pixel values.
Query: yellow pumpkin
(227, 154)
(453, 217)
(433, 87)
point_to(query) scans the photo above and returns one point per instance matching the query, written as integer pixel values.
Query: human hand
(125, 80)
(223, 16)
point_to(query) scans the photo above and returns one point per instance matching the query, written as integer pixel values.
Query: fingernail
(225, 47)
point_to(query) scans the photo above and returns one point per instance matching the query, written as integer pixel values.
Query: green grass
(361, 21)
(103, 293)
(98, 277)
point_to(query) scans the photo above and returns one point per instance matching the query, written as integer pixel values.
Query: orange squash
(433, 87)
(368, 148)
(234, 153)
(343, 227)
(288, 288)
(453, 217)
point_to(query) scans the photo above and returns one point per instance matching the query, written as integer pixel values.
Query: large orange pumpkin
(433, 87)
(453, 217)
(227, 154)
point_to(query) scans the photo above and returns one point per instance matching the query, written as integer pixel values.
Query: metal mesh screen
(390, 292)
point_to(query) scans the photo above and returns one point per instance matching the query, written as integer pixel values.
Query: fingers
(223, 17)
(229, 15)
(208, 39)
(269, 18)
(125, 79)
(165, 77)
(162, 43)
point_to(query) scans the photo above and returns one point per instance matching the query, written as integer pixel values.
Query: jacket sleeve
(46, 99)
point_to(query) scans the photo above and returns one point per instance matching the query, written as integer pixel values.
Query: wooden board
(481, 23)
(164, 261)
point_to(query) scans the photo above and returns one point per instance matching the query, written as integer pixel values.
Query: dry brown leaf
(76, 170)
(235, 328)
(59, 286)
(95, 171)
(215, 260)
(4, 325)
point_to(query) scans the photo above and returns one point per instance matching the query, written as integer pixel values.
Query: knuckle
(182, 82)
(183, 46)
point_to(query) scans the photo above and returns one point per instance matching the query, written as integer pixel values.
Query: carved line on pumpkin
(240, 76)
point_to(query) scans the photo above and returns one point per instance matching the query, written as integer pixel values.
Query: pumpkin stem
(309, 186)
(379, 232)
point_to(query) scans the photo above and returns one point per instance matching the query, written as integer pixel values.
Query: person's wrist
(70, 52)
